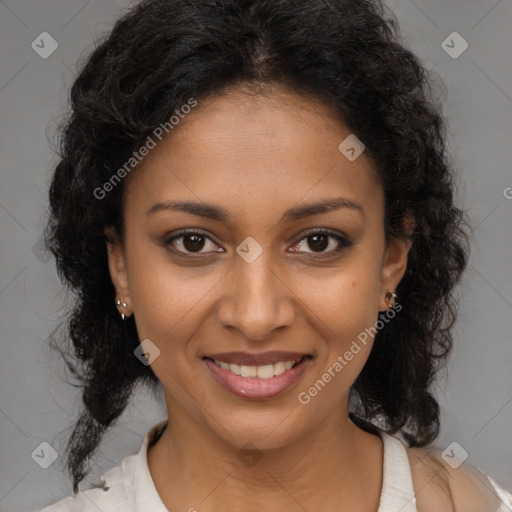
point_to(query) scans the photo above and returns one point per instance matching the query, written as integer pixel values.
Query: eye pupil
(317, 244)
(196, 242)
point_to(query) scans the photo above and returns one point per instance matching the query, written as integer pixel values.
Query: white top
(130, 488)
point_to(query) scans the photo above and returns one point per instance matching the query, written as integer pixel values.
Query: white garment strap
(505, 496)
(397, 490)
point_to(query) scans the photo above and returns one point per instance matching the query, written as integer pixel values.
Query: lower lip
(253, 387)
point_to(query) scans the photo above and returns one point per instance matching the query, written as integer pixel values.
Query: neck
(336, 464)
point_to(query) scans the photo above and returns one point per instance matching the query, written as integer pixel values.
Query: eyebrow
(295, 213)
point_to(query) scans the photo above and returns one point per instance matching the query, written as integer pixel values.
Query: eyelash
(342, 241)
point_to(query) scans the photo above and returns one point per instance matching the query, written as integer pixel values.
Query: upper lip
(247, 359)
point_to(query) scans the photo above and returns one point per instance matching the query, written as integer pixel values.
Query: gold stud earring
(391, 295)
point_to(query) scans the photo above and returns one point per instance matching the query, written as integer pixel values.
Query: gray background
(36, 405)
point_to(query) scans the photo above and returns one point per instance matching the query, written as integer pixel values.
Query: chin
(260, 428)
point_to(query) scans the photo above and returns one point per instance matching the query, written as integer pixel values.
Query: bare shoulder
(440, 487)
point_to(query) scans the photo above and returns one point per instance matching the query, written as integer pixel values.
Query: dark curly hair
(346, 53)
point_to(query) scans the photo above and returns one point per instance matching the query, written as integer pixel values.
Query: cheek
(161, 291)
(160, 294)
(344, 309)
(166, 306)
(170, 304)
(344, 300)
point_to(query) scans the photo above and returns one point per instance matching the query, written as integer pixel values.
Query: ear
(395, 263)
(118, 271)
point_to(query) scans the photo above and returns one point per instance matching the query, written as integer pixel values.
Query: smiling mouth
(265, 371)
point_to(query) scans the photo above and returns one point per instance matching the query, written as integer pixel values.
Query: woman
(255, 210)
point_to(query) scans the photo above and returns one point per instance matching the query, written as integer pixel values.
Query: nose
(257, 299)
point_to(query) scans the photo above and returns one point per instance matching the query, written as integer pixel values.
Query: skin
(255, 157)
(439, 486)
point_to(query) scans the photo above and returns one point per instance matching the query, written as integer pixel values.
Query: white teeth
(248, 371)
(266, 371)
(233, 368)
(279, 368)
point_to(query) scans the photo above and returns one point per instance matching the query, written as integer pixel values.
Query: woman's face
(256, 280)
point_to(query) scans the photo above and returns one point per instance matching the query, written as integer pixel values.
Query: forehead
(249, 150)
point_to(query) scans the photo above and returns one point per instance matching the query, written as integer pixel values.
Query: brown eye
(319, 241)
(193, 242)
(188, 242)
